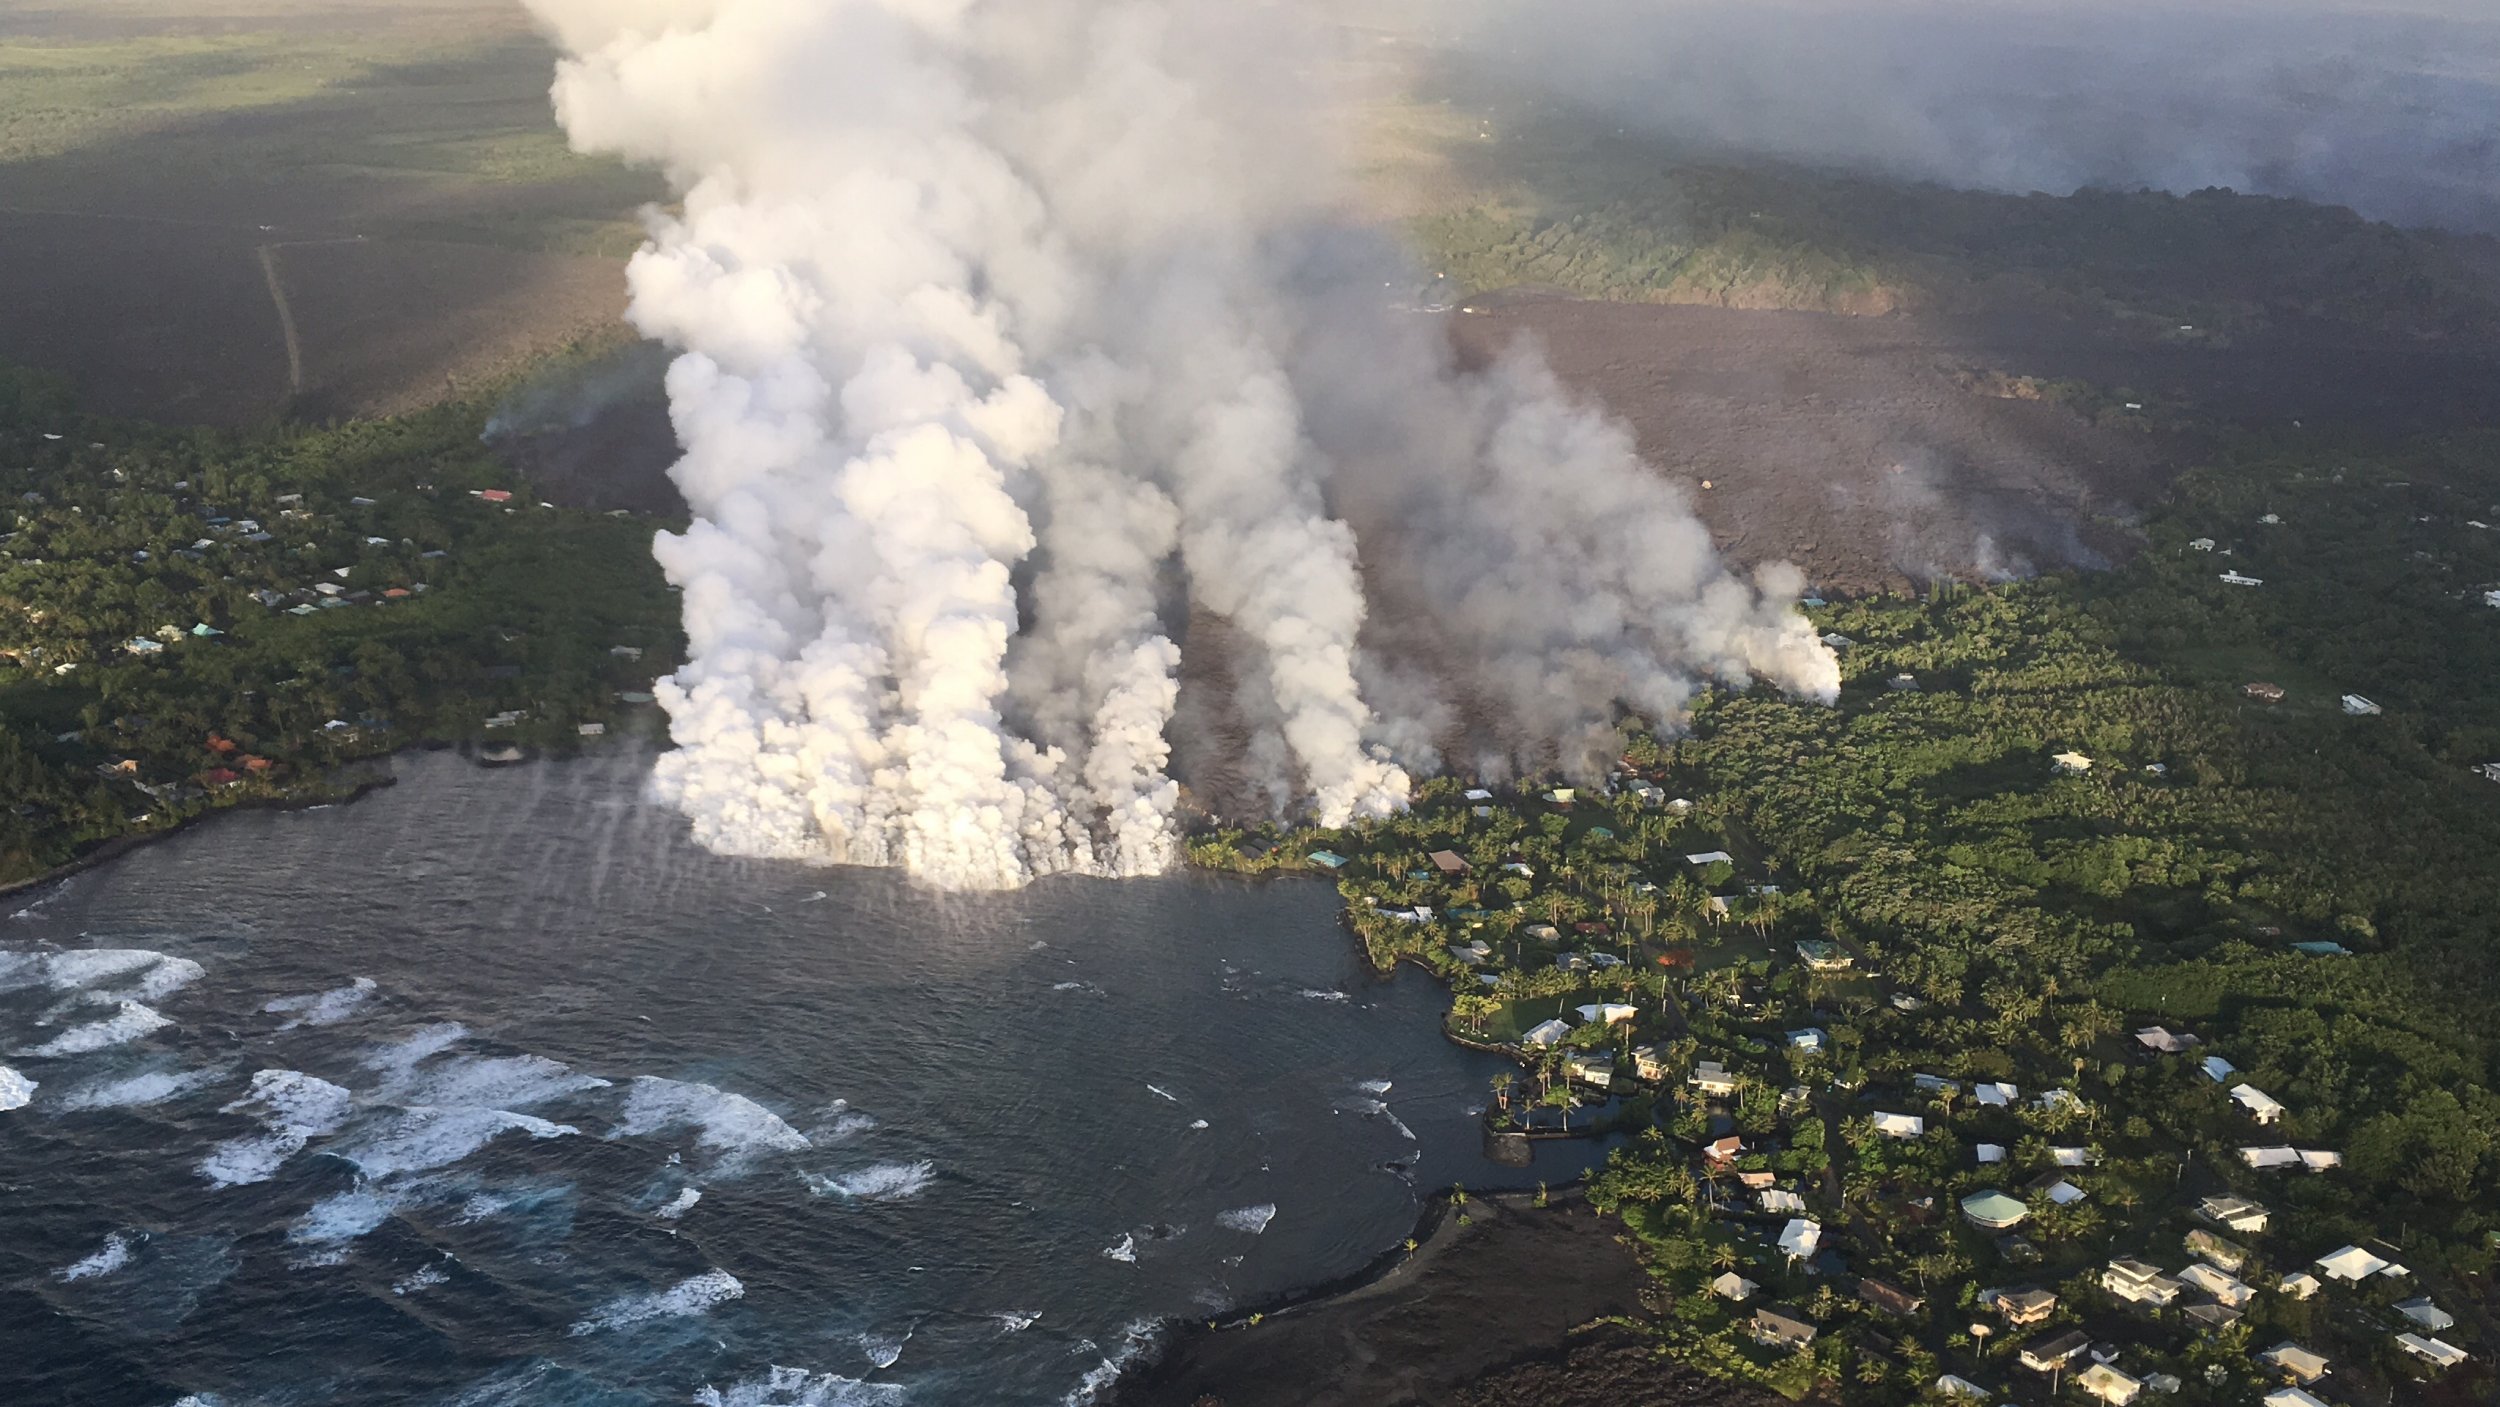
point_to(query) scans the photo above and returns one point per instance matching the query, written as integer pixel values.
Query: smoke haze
(2391, 108)
(1011, 334)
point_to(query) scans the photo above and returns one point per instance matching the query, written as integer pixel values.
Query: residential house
(1778, 1202)
(2212, 1316)
(2490, 771)
(1710, 1077)
(1544, 1035)
(2270, 1159)
(1900, 1125)
(2439, 1353)
(2300, 1285)
(2214, 1250)
(2217, 1069)
(1958, 1387)
(1328, 859)
(2261, 1106)
(2294, 1362)
(1822, 955)
(1989, 1153)
(1473, 954)
(2202, 544)
(2234, 1214)
(2293, 1397)
(2360, 707)
(2054, 1352)
(2072, 764)
(1448, 862)
(1812, 1038)
(1902, 683)
(2056, 1189)
(2073, 1157)
(1723, 1150)
(1800, 1238)
(2110, 1385)
(1995, 1094)
(1782, 1328)
(1889, 1298)
(2139, 1283)
(2263, 692)
(1607, 1014)
(2426, 1316)
(1993, 1210)
(2024, 1306)
(1478, 794)
(2217, 1283)
(2352, 1265)
(2322, 948)
(1708, 858)
(1590, 1068)
(1731, 1286)
(2242, 579)
(1935, 1084)
(1648, 1063)
(1756, 1179)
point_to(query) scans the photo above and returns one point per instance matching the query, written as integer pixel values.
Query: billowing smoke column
(1007, 325)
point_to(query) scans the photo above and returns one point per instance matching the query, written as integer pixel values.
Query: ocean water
(491, 1090)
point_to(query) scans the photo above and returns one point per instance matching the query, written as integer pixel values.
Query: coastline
(106, 852)
(1490, 1285)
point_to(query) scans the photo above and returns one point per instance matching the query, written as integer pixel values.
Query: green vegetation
(191, 619)
(1550, 198)
(1983, 909)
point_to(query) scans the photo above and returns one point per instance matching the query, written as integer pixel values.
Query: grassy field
(187, 185)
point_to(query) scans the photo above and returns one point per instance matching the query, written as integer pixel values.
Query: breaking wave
(323, 1008)
(723, 1122)
(112, 1256)
(1250, 1221)
(295, 1108)
(796, 1387)
(886, 1182)
(134, 1020)
(141, 1091)
(692, 1296)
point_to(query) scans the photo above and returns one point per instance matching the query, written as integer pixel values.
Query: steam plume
(1006, 327)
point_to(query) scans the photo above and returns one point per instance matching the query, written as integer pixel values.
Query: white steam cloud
(1015, 333)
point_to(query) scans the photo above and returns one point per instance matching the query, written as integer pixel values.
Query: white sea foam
(1375, 1086)
(886, 1182)
(1134, 1341)
(66, 972)
(424, 1277)
(724, 1122)
(489, 1082)
(323, 1008)
(796, 1387)
(1016, 1321)
(883, 1351)
(142, 1090)
(1125, 1252)
(687, 1297)
(111, 1256)
(427, 1137)
(295, 1107)
(1248, 1220)
(681, 1204)
(132, 1021)
(345, 1216)
(1318, 995)
(16, 1091)
(1167, 1094)
(168, 976)
(400, 1058)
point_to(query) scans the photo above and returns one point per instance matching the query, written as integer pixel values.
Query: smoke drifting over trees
(2389, 106)
(1011, 330)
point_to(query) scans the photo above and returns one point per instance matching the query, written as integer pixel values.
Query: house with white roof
(2072, 1157)
(1544, 1035)
(1710, 857)
(2299, 1364)
(2222, 1287)
(2261, 1106)
(1608, 1013)
(1800, 1238)
(1810, 1038)
(2164, 1041)
(1995, 1094)
(1731, 1286)
(2242, 579)
(2072, 764)
(2139, 1283)
(2352, 1265)
(2293, 1397)
(2439, 1353)
(2234, 1214)
(2110, 1385)
(1711, 1077)
(2300, 1285)
(2360, 707)
(1900, 1125)
(1989, 1153)
(1779, 1201)
(2269, 1159)
(2426, 1316)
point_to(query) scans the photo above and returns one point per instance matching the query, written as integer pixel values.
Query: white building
(1800, 1238)
(2352, 1265)
(1732, 1286)
(1710, 1077)
(1900, 1125)
(2360, 707)
(2260, 1105)
(1545, 1035)
(2242, 579)
(2439, 1353)
(2139, 1283)
(2109, 1385)
(2426, 1316)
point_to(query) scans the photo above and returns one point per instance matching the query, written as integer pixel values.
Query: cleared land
(396, 166)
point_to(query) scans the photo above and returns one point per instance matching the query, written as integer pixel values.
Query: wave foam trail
(16, 1091)
(424, 1138)
(295, 1108)
(1135, 1340)
(954, 413)
(1016, 1321)
(886, 1182)
(142, 1090)
(323, 1008)
(883, 1351)
(342, 1217)
(1125, 1252)
(133, 1021)
(111, 1256)
(681, 1204)
(1250, 1221)
(723, 1122)
(692, 1296)
(796, 1387)
(424, 1277)
(492, 1082)
(66, 972)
